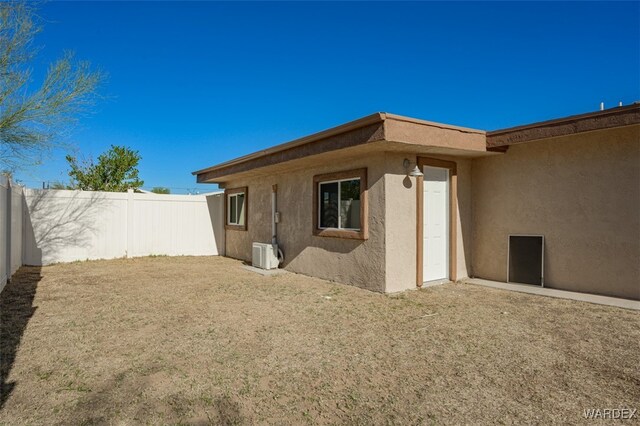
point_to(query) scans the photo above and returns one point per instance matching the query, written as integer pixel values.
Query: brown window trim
(231, 191)
(453, 216)
(363, 233)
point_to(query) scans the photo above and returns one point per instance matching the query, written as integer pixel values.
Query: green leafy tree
(160, 190)
(115, 171)
(34, 120)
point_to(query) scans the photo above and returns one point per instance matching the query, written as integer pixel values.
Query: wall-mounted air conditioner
(265, 256)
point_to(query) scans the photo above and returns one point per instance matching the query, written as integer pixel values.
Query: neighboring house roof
(598, 120)
(384, 131)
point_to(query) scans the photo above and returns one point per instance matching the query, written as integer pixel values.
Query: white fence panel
(11, 208)
(17, 206)
(4, 268)
(215, 207)
(64, 226)
(172, 225)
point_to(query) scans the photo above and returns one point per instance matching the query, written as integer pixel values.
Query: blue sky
(194, 84)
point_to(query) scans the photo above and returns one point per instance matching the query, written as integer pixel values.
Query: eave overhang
(375, 128)
(593, 121)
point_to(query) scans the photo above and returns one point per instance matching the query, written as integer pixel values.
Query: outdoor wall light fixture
(412, 173)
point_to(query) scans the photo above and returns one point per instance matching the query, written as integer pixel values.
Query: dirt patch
(201, 340)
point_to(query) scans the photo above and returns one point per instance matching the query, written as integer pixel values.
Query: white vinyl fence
(50, 226)
(11, 211)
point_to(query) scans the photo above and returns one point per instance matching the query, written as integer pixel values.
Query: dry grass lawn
(199, 340)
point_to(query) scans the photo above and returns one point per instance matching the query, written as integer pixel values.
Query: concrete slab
(562, 294)
(265, 272)
(435, 283)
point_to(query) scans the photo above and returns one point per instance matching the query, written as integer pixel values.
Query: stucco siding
(401, 206)
(400, 225)
(349, 261)
(581, 192)
(464, 217)
(433, 135)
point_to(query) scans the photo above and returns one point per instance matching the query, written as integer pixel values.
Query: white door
(435, 262)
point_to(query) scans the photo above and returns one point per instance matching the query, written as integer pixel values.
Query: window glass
(232, 209)
(329, 205)
(240, 208)
(236, 209)
(350, 204)
(339, 204)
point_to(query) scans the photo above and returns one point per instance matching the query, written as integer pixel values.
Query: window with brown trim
(340, 206)
(235, 206)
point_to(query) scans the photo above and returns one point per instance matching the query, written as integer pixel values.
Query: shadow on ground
(16, 309)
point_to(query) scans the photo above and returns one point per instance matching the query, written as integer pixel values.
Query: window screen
(235, 210)
(339, 204)
(329, 205)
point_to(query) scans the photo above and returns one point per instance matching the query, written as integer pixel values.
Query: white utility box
(265, 256)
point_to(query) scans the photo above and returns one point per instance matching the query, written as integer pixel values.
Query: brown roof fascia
(599, 120)
(370, 119)
(363, 133)
(357, 132)
(395, 117)
(501, 148)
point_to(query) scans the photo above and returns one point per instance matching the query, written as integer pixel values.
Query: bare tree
(33, 121)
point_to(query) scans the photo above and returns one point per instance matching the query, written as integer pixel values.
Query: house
(389, 203)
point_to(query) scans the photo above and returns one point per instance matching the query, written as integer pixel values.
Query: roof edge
(433, 124)
(377, 117)
(611, 118)
(594, 114)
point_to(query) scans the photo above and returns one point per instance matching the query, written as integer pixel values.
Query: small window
(340, 204)
(236, 208)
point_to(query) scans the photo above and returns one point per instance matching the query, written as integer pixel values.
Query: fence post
(129, 222)
(8, 239)
(25, 212)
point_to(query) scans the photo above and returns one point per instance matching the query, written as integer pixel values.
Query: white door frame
(447, 260)
(452, 216)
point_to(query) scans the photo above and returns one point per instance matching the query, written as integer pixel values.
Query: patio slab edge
(265, 272)
(562, 294)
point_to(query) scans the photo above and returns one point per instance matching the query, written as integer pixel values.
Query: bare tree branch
(33, 121)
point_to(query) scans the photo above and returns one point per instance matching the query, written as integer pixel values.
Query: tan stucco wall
(401, 205)
(386, 262)
(355, 262)
(465, 218)
(400, 229)
(581, 192)
(436, 136)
